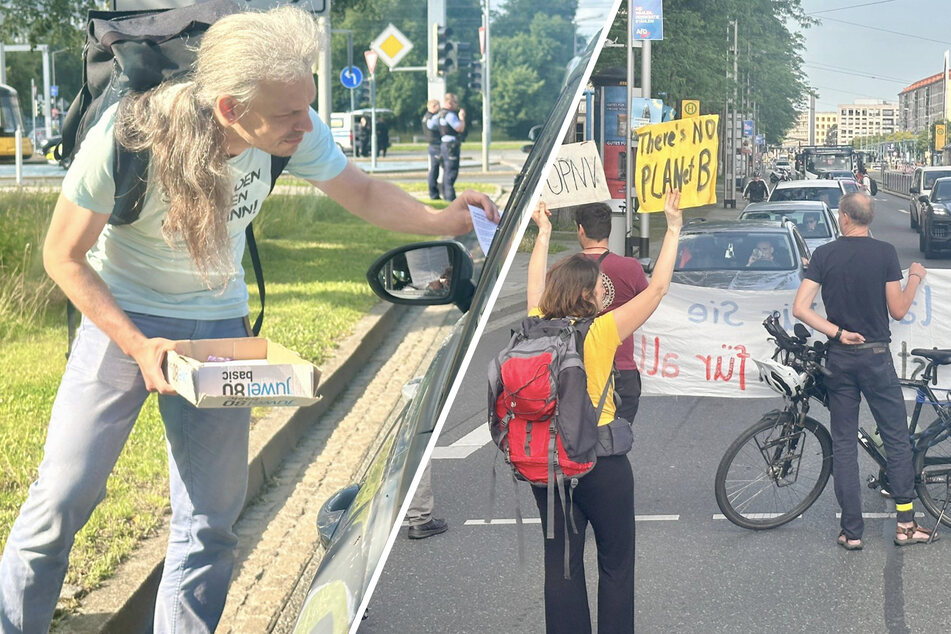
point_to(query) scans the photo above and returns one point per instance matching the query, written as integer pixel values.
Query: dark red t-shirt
(626, 277)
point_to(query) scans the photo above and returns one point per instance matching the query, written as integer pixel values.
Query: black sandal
(843, 541)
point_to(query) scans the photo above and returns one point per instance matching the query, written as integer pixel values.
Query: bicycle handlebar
(808, 357)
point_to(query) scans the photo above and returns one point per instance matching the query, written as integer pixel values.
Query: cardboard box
(256, 373)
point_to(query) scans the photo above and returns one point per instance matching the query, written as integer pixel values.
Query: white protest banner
(701, 341)
(576, 177)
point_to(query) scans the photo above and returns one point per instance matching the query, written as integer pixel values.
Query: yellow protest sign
(689, 108)
(940, 136)
(678, 154)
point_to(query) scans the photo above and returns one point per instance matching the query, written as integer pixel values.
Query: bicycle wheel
(774, 471)
(933, 470)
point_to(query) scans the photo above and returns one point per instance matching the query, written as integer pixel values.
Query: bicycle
(775, 470)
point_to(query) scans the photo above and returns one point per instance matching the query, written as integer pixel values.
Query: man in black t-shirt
(860, 279)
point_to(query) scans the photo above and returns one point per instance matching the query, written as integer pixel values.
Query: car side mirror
(424, 274)
(333, 510)
(922, 199)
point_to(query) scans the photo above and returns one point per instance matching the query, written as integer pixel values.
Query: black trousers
(435, 160)
(628, 387)
(449, 153)
(605, 499)
(868, 372)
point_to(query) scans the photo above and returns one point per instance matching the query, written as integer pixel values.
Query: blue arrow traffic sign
(351, 77)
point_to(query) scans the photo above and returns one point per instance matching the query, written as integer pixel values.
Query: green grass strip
(315, 257)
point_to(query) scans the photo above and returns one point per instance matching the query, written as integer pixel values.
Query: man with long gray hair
(173, 274)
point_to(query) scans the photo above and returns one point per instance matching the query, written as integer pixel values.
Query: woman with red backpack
(604, 497)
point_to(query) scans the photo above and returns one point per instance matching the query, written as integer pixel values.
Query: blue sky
(873, 48)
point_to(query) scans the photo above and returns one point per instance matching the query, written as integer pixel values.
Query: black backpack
(135, 51)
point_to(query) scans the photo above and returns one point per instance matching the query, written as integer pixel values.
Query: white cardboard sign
(576, 177)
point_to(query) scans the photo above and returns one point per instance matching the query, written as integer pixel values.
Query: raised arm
(73, 231)
(538, 264)
(386, 205)
(899, 299)
(632, 314)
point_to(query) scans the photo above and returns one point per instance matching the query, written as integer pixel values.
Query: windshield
(942, 192)
(735, 251)
(811, 224)
(931, 177)
(828, 162)
(829, 195)
(9, 113)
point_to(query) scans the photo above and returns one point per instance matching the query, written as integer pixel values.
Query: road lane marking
(465, 446)
(754, 516)
(508, 521)
(879, 516)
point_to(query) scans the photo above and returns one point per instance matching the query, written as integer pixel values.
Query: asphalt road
(695, 571)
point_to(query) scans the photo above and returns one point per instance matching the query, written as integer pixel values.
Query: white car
(921, 184)
(814, 220)
(824, 190)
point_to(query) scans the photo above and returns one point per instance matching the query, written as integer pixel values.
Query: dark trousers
(628, 387)
(435, 160)
(868, 372)
(605, 498)
(450, 168)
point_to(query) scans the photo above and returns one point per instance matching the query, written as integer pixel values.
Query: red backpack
(540, 414)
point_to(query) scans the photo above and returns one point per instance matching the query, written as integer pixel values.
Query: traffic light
(445, 51)
(463, 54)
(363, 93)
(475, 76)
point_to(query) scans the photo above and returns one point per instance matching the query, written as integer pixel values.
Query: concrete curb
(125, 603)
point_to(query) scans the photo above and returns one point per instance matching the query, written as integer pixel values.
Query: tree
(528, 65)
(691, 61)
(60, 24)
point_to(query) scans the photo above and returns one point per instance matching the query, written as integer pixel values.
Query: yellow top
(600, 345)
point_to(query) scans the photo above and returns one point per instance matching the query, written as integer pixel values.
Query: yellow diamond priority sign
(391, 45)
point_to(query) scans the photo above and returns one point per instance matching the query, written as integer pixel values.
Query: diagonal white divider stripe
(466, 445)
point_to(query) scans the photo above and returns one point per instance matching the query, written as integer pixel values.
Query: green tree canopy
(693, 59)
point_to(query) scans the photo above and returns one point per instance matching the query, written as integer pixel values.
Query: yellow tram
(10, 120)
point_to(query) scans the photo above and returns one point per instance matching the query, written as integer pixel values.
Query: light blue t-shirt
(144, 273)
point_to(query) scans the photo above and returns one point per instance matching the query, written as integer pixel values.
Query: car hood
(356, 547)
(814, 243)
(741, 280)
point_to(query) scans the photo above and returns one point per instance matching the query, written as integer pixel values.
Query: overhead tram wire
(847, 71)
(875, 28)
(851, 6)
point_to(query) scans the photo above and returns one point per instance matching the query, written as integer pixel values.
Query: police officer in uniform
(434, 146)
(451, 124)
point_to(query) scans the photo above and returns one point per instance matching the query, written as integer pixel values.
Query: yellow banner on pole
(940, 136)
(689, 108)
(678, 154)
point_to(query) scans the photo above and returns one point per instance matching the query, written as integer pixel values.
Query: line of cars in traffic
(769, 245)
(930, 208)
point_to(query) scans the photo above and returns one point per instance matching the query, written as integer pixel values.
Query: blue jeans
(97, 404)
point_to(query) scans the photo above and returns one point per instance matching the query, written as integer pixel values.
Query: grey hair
(175, 122)
(858, 206)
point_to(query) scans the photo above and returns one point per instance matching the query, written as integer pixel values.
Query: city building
(867, 117)
(923, 102)
(799, 135)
